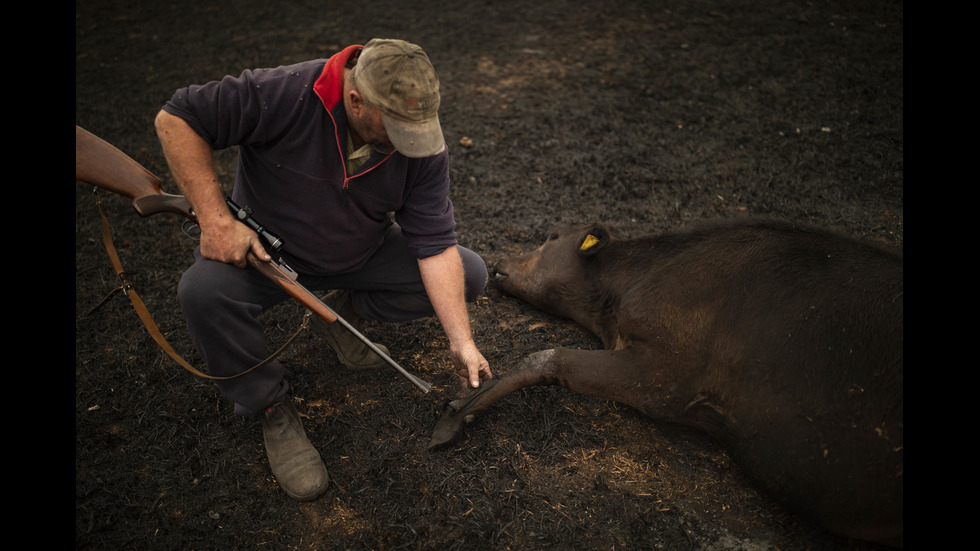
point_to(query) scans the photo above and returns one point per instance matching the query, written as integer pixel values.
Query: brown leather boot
(295, 462)
(350, 350)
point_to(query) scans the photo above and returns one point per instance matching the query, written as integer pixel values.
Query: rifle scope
(244, 215)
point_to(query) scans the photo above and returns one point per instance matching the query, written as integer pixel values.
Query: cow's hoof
(450, 425)
(448, 430)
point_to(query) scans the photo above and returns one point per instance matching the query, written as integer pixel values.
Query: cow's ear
(593, 241)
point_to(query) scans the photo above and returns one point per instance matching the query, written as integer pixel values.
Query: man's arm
(192, 165)
(442, 275)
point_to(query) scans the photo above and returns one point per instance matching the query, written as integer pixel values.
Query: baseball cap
(397, 77)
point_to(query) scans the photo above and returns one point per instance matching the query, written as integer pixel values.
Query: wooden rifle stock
(101, 164)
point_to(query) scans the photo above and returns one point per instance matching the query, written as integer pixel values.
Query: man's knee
(474, 273)
(196, 287)
(208, 284)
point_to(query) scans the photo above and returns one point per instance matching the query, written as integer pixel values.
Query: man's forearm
(442, 275)
(191, 162)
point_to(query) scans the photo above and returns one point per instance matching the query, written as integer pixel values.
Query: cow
(783, 342)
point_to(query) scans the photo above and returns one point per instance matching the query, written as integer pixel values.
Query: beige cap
(397, 77)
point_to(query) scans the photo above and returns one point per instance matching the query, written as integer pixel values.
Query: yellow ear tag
(590, 240)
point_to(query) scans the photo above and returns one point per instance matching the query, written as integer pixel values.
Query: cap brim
(417, 140)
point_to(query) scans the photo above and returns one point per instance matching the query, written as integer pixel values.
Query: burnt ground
(648, 116)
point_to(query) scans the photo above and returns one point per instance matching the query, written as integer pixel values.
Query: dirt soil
(648, 116)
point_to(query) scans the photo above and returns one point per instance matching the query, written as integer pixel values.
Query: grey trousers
(221, 304)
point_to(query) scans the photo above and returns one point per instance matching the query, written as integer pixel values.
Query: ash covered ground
(647, 116)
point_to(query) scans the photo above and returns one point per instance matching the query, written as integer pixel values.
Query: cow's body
(784, 343)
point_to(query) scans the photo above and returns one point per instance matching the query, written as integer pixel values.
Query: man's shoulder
(303, 71)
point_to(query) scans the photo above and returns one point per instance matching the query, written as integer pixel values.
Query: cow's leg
(607, 374)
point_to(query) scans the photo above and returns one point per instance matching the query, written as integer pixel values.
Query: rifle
(101, 164)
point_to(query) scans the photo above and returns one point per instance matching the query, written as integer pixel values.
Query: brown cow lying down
(785, 343)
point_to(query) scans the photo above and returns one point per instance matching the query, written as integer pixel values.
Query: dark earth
(645, 115)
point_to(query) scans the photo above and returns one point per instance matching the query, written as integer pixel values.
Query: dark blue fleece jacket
(290, 127)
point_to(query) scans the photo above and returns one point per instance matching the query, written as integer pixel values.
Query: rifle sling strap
(147, 319)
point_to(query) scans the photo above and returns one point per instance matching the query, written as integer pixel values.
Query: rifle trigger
(191, 230)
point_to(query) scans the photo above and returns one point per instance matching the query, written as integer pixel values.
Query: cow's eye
(552, 237)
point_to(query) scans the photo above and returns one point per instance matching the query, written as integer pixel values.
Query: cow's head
(555, 276)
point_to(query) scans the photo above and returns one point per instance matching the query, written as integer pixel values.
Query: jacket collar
(329, 86)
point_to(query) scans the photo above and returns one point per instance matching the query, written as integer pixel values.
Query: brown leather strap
(147, 319)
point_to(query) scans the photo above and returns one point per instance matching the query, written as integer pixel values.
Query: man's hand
(470, 364)
(228, 240)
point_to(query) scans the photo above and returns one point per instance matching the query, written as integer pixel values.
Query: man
(329, 152)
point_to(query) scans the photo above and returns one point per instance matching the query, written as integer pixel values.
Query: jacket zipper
(347, 179)
(345, 189)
